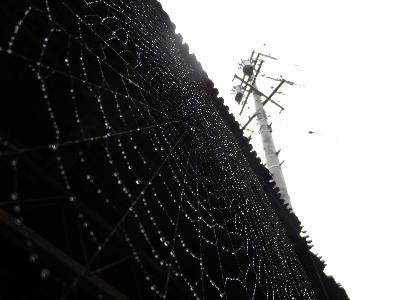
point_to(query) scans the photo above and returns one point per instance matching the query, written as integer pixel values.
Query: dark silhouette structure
(123, 174)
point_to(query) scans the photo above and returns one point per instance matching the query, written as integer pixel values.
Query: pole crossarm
(247, 96)
(280, 79)
(90, 282)
(268, 98)
(267, 55)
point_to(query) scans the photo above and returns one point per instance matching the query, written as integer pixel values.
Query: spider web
(111, 149)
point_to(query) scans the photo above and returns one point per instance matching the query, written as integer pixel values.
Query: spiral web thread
(108, 118)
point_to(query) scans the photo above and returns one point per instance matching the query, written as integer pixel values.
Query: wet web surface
(112, 150)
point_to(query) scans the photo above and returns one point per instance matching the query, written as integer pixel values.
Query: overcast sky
(343, 180)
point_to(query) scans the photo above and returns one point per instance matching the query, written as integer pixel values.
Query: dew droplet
(44, 273)
(33, 258)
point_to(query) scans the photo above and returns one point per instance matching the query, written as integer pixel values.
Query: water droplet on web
(138, 181)
(33, 258)
(19, 221)
(44, 273)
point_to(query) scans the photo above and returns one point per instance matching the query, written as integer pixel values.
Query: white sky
(343, 180)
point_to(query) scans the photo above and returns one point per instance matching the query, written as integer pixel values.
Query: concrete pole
(269, 147)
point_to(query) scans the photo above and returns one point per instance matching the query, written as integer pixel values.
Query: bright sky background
(343, 180)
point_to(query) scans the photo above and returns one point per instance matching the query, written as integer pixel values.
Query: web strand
(113, 150)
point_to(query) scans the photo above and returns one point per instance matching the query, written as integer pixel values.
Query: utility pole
(251, 69)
